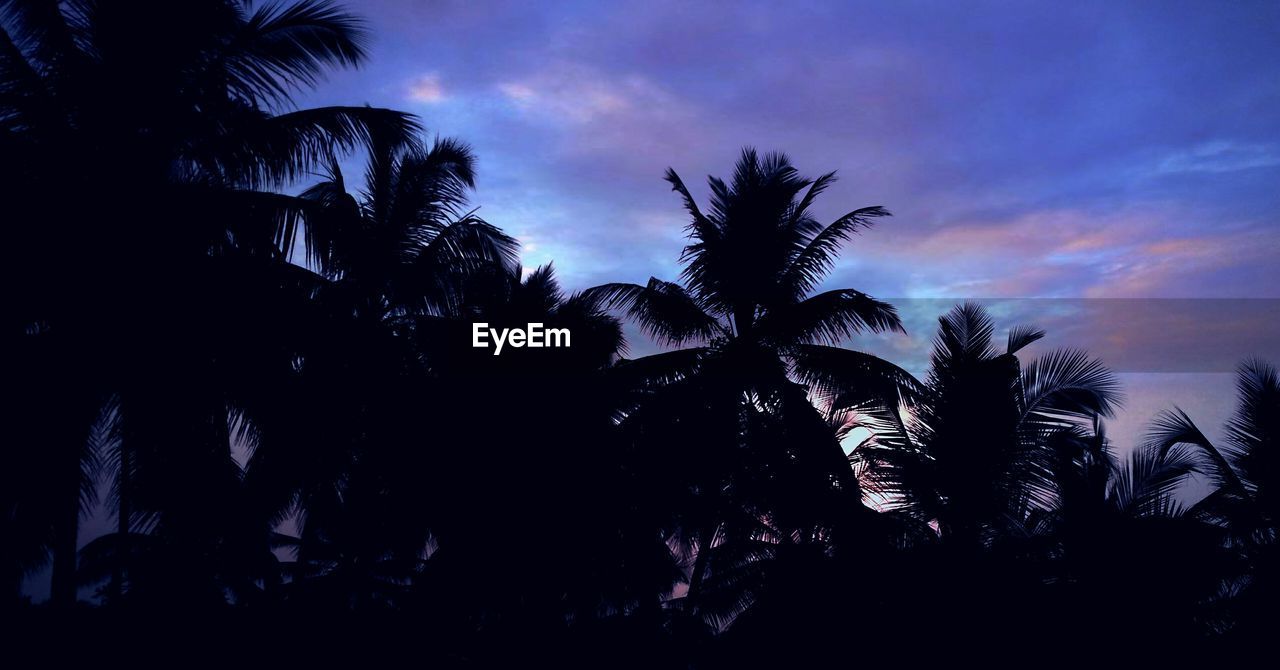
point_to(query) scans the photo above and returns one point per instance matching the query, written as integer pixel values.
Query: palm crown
(753, 262)
(976, 447)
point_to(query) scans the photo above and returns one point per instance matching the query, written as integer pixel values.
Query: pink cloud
(622, 113)
(1138, 252)
(427, 89)
(581, 94)
(1176, 265)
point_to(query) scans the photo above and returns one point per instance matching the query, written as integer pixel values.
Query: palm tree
(974, 450)
(960, 465)
(536, 516)
(1242, 474)
(407, 269)
(99, 105)
(747, 304)
(407, 239)
(1117, 524)
(377, 262)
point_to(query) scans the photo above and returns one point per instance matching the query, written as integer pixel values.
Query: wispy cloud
(574, 93)
(1221, 156)
(427, 89)
(1180, 266)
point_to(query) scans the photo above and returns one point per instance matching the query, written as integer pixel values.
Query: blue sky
(1080, 152)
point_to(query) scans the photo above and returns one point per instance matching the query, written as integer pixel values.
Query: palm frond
(700, 227)
(1022, 336)
(39, 29)
(658, 369)
(1253, 431)
(964, 334)
(800, 211)
(282, 48)
(829, 317)
(844, 378)
(816, 258)
(431, 187)
(1068, 382)
(267, 151)
(1142, 484)
(23, 98)
(663, 309)
(457, 250)
(1173, 428)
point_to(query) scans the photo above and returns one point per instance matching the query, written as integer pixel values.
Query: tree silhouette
(1243, 477)
(385, 260)
(747, 301)
(205, 124)
(976, 447)
(974, 451)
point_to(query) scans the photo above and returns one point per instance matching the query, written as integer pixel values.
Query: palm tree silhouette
(975, 447)
(1112, 509)
(1243, 498)
(747, 301)
(382, 261)
(207, 122)
(959, 465)
(408, 234)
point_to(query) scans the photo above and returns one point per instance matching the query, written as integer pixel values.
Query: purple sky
(1027, 150)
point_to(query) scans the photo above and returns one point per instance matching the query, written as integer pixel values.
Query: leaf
(1021, 336)
(1067, 382)
(829, 317)
(259, 150)
(812, 263)
(663, 309)
(286, 47)
(1172, 428)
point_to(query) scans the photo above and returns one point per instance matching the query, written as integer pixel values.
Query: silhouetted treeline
(276, 397)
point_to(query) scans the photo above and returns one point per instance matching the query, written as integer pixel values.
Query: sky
(1107, 171)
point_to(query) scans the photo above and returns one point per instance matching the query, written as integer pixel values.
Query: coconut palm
(748, 315)
(359, 387)
(409, 269)
(188, 104)
(1242, 473)
(382, 260)
(1118, 523)
(975, 447)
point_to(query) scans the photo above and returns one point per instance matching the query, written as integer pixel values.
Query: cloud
(1221, 156)
(575, 93)
(1036, 252)
(427, 89)
(1179, 266)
